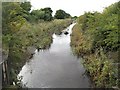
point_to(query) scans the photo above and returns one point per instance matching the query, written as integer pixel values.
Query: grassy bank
(95, 38)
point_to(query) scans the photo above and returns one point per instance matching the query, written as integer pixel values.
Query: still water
(55, 67)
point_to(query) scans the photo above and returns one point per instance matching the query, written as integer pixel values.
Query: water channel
(55, 67)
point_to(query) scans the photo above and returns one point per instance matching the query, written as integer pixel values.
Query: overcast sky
(73, 7)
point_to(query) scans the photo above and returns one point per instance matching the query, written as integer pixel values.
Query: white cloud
(74, 7)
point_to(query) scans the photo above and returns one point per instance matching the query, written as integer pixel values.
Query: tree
(61, 14)
(47, 10)
(75, 17)
(44, 14)
(48, 13)
(12, 17)
(37, 15)
(13, 20)
(26, 6)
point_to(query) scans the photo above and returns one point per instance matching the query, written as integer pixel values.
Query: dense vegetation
(61, 14)
(95, 38)
(44, 14)
(22, 30)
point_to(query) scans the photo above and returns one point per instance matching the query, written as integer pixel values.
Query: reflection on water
(56, 67)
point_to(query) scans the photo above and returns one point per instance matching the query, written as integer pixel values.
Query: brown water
(56, 67)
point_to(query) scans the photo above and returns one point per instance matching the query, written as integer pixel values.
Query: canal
(55, 67)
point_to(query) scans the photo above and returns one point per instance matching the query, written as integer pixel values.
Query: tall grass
(101, 69)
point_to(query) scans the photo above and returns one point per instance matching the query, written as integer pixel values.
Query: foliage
(26, 9)
(26, 6)
(48, 13)
(61, 14)
(44, 14)
(12, 17)
(19, 33)
(94, 37)
(101, 70)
